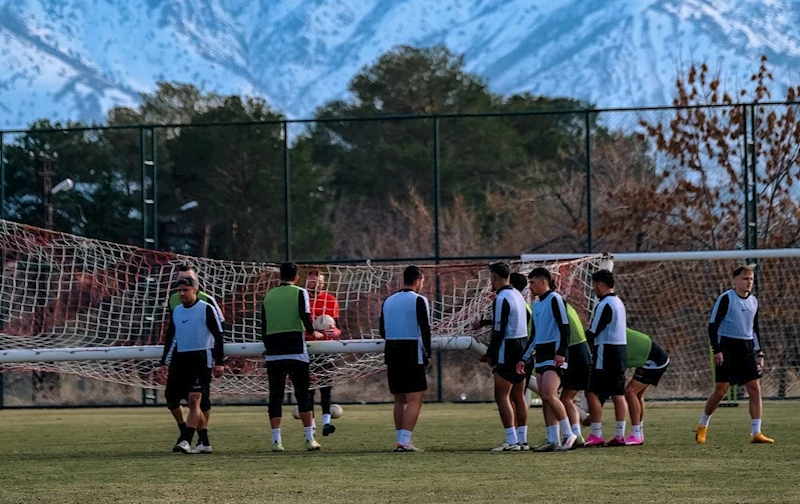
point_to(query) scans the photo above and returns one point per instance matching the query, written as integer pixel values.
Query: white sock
(576, 429)
(276, 435)
(397, 434)
(597, 429)
(511, 435)
(326, 419)
(566, 430)
(309, 432)
(637, 432)
(552, 434)
(620, 432)
(405, 437)
(522, 434)
(313, 423)
(641, 428)
(705, 419)
(755, 426)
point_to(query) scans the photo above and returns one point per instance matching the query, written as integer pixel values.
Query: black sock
(182, 427)
(188, 434)
(203, 435)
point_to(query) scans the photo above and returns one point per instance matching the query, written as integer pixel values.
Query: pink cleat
(593, 440)
(616, 441)
(633, 441)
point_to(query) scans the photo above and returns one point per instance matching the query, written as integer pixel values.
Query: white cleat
(505, 447)
(184, 447)
(202, 448)
(567, 442)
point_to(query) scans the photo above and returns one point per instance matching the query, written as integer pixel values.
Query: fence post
(437, 202)
(589, 244)
(154, 174)
(2, 185)
(286, 194)
(752, 222)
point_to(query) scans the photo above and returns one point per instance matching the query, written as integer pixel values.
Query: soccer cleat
(634, 441)
(175, 448)
(761, 438)
(505, 447)
(567, 442)
(593, 441)
(328, 429)
(545, 447)
(312, 445)
(407, 448)
(184, 447)
(580, 442)
(277, 446)
(700, 435)
(202, 448)
(616, 441)
(524, 446)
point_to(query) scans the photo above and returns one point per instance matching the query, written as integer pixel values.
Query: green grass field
(123, 455)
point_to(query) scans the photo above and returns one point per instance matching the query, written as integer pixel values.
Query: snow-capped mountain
(73, 59)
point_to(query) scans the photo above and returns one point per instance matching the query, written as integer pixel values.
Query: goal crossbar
(154, 352)
(675, 256)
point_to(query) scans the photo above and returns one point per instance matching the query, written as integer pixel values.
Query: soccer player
(651, 362)
(173, 402)
(520, 282)
(508, 344)
(607, 337)
(285, 317)
(550, 338)
(738, 357)
(576, 377)
(323, 303)
(405, 325)
(196, 331)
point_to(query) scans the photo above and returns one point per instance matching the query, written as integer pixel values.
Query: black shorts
(610, 380)
(579, 367)
(188, 372)
(512, 352)
(541, 370)
(657, 363)
(739, 364)
(406, 378)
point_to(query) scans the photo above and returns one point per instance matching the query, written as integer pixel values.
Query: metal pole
(143, 170)
(286, 194)
(437, 202)
(2, 203)
(155, 187)
(746, 179)
(753, 189)
(589, 244)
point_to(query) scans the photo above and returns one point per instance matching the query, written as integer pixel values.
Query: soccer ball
(324, 323)
(336, 411)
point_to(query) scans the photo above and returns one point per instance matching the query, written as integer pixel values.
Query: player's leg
(203, 443)
(410, 415)
(276, 379)
(754, 392)
(549, 383)
(634, 395)
(192, 420)
(399, 408)
(520, 413)
(300, 375)
(173, 399)
(568, 400)
(594, 392)
(325, 400)
(502, 392)
(720, 389)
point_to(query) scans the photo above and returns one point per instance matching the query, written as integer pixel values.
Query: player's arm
(304, 310)
(169, 338)
(560, 316)
(499, 331)
(599, 323)
(382, 324)
(717, 316)
(264, 325)
(424, 321)
(756, 340)
(215, 327)
(526, 357)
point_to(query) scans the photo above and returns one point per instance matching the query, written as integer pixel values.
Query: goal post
(669, 295)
